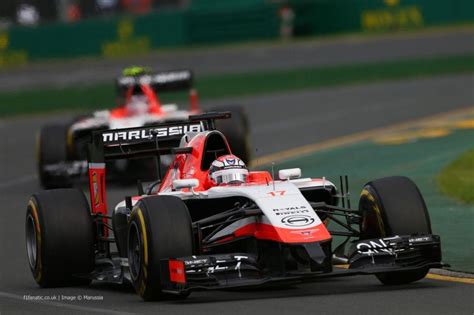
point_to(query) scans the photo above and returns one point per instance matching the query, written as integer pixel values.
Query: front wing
(399, 253)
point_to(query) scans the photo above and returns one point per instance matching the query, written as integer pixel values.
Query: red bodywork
(154, 105)
(190, 165)
(97, 191)
(186, 166)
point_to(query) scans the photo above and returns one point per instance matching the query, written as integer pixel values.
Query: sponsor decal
(95, 186)
(291, 210)
(306, 232)
(420, 239)
(160, 78)
(237, 266)
(226, 263)
(146, 134)
(217, 268)
(374, 247)
(239, 262)
(196, 262)
(297, 220)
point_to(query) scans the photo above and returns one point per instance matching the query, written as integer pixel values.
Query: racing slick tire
(59, 237)
(51, 148)
(159, 227)
(394, 206)
(236, 131)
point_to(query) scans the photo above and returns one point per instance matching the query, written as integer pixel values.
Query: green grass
(102, 95)
(457, 179)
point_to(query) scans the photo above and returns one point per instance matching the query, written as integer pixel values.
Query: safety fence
(207, 21)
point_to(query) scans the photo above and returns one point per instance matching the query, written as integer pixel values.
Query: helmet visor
(234, 178)
(231, 176)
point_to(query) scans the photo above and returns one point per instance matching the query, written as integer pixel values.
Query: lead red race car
(211, 223)
(62, 146)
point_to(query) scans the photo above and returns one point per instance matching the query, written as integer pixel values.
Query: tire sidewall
(376, 223)
(64, 237)
(37, 270)
(143, 282)
(373, 223)
(382, 219)
(148, 217)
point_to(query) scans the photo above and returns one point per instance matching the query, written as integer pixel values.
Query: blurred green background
(42, 30)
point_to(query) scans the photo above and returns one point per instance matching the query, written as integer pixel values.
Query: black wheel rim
(134, 251)
(31, 243)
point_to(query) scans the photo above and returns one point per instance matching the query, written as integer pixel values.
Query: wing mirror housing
(290, 173)
(189, 183)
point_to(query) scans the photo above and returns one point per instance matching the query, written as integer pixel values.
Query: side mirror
(290, 173)
(185, 183)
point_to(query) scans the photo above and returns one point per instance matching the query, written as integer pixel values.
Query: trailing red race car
(61, 147)
(210, 223)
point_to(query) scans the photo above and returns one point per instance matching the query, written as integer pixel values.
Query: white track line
(63, 305)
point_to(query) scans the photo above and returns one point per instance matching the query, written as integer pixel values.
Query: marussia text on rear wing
(159, 139)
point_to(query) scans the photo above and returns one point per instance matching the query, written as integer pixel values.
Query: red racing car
(61, 147)
(210, 223)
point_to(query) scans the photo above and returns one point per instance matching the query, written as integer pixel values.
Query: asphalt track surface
(244, 58)
(278, 122)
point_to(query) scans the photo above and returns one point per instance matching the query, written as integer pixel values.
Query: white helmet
(137, 105)
(228, 169)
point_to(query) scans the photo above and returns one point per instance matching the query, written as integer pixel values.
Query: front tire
(394, 206)
(59, 237)
(160, 227)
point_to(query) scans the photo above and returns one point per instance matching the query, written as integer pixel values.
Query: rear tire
(59, 237)
(236, 131)
(51, 148)
(394, 206)
(159, 227)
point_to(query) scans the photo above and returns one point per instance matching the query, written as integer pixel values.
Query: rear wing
(164, 81)
(159, 139)
(148, 141)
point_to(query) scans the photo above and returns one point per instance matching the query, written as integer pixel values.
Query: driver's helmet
(228, 169)
(137, 105)
(135, 71)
